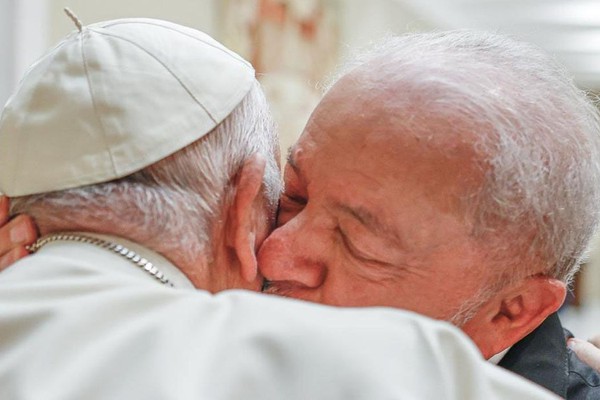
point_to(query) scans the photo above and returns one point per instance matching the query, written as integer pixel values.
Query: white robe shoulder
(80, 322)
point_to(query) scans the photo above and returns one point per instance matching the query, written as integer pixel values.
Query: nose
(289, 255)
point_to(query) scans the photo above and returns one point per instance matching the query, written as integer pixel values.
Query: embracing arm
(15, 234)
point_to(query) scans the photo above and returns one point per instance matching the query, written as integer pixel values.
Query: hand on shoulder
(15, 234)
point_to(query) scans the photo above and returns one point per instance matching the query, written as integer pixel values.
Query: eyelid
(356, 253)
(295, 199)
(288, 207)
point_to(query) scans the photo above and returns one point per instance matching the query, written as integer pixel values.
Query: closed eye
(289, 207)
(354, 251)
(294, 199)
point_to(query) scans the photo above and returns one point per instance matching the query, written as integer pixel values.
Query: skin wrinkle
(295, 166)
(371, 222)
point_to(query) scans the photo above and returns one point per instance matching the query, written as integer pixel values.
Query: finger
(3, 210)
(12, 256)
(20, 231)
(587, 352)
(595, 341)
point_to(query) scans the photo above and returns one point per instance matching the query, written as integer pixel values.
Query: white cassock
(80, 322)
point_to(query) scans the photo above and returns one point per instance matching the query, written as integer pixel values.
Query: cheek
(420, 294)
(438, 297)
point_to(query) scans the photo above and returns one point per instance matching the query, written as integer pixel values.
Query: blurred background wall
(295, 44)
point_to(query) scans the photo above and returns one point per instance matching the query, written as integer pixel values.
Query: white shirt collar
(496, 358)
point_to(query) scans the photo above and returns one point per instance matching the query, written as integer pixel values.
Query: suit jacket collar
(542, 357)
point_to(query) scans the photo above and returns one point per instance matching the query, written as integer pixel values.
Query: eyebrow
(291, 160)
(362, 215)
(370, 221)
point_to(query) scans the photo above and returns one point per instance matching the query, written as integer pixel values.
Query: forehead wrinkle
(370, 221)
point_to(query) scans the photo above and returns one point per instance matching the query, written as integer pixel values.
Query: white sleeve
(95, 337)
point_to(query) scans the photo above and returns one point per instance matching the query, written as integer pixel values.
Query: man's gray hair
(176, 202)
(538, 136)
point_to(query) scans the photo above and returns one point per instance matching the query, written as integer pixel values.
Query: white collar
(496, 358)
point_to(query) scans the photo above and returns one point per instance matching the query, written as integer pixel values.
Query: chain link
(118, 249)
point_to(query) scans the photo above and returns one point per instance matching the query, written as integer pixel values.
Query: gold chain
(118, 249)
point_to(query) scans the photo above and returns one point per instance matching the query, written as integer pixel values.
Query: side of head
(185, 205)
(149, 130)
(466, 166)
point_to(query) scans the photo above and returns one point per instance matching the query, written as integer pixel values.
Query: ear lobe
(513, 313)
(245, 214)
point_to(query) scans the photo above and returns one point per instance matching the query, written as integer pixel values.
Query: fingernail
(19, 234)
(571, 344)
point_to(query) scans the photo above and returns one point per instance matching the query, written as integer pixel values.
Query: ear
(246, 216)
(513, 313)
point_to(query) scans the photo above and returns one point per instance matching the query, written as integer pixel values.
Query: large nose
(294, 253)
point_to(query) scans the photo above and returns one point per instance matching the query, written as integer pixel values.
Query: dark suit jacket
(543, 357)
